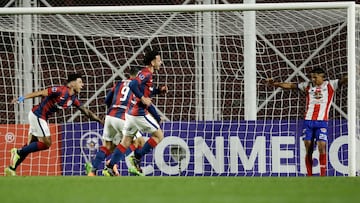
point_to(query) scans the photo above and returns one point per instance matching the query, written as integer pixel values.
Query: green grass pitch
(179, 189)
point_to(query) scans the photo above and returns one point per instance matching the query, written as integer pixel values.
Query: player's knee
(108, 144)
(140, 141)
(47, 142)
(322, 149)
(126, 141)
(159, 135)
(32, 138)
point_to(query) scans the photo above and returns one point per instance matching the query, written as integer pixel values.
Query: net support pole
(250, 100)
(208, 65)
(24, 62)
(28, 62)
(198, 66)
(351, 90)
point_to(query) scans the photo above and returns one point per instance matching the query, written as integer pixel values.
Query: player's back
(120, 100)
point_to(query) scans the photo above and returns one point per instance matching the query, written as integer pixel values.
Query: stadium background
(178, 105)
(184, 108)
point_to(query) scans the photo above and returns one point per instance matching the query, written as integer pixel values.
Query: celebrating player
(117, 101)
(53, 99)
(141, 115)
(319, 95)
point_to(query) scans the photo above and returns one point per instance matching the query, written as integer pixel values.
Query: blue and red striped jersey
(58, 98)
(145, 83)
(118, 99)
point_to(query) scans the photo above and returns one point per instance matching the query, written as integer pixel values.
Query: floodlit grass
(179, 189)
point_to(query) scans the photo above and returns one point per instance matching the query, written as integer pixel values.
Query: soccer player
(53, 99)
(117, 101)
(319, 95)
(141, 115)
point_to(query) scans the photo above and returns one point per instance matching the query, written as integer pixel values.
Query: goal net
(211, 127)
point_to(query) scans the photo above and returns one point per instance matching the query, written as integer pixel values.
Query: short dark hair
(149, 56)
(318, 71)
(73, 77)
(133, 71)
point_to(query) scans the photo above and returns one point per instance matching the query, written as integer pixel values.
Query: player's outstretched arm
(41, 93)
(91, 115)
(284, 85)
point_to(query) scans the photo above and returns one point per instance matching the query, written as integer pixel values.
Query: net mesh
(289, 44)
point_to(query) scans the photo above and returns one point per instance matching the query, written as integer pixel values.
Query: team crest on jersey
(141, 76)
(69, 103)
(318, 94)
(323, 130)
(54, 89)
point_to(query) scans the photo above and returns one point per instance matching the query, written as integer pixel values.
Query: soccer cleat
(135, 172)
(135, 163)
(107, 172)
(89, 169)
(9, 172)
(110, 172)
(14, 157)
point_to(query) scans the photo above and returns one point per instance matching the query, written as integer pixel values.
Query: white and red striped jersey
(318, 99)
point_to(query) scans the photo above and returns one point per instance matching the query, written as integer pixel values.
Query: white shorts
(113, 128)
(145, 124)
(38, 126)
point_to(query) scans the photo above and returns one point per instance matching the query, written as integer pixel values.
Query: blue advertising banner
(214, 148)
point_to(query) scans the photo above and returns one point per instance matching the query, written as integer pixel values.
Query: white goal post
(220, 113)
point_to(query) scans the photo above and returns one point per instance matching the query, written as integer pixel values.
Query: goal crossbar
(175, 8)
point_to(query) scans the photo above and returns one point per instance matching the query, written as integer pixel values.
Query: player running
(53, 99)
(117, 101)
(141, 115)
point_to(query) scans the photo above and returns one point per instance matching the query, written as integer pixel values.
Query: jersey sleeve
(134, 86)
(302, 86)
(140, 80)
(110, 95)
(155, 91)
(334, 83)
(54, 91)
(154, 113)
(76, 102)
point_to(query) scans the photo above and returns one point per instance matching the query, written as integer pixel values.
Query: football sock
(129, 150)
(322, 161)
(27, 149)
(100, 156)
(150, 144)
(32, 147)
(118, 154)
(309, 164)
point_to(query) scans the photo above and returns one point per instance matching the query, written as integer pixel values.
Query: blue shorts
(315, 130)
